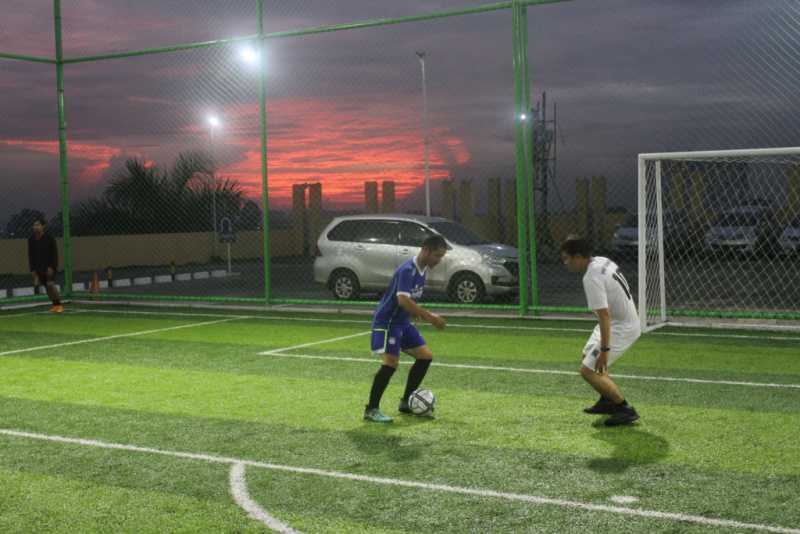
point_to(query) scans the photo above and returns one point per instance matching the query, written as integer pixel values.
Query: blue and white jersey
(408, 280)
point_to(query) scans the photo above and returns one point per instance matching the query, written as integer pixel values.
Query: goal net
(719, 237)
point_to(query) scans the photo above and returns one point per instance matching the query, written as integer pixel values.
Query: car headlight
(492, 260)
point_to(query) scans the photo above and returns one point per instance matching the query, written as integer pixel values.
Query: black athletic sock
(379, 384)
(415, 376)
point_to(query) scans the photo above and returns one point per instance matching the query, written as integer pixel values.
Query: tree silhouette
(143, 199)
(21, 223)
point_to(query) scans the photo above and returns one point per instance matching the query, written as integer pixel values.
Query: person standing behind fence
(43, 262)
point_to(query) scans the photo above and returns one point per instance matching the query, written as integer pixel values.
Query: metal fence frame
(524, 179)
(526, 231)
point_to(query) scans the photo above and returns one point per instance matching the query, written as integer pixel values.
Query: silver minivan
(358, 253)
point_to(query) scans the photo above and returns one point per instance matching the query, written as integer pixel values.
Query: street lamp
(421, 56)
(213, 123)
(249, 55)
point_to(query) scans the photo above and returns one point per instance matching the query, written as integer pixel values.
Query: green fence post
(262, 122)
(521, 166)
(530, 173)
(62, 150)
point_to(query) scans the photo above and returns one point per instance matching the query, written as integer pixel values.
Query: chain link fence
(382, 122)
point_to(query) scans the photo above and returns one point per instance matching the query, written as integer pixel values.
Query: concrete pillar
(448, 199)
(599, 209)
(793, 195)
(387, 200)
(677, 194)
(314, 214)
(466, 208)
(299, 218)
(493, 199)
(582, 207)
(510, 212)
(371, 196)
(697, 214)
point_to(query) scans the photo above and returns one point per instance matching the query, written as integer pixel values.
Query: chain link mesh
(730, 233)
(29, 185)
(169, 173)
(149, 176)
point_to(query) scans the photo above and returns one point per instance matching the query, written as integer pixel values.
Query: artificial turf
(196, 385)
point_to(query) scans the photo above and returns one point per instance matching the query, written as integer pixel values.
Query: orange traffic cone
(95, 286)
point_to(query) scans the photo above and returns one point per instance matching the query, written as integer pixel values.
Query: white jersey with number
(606, 287)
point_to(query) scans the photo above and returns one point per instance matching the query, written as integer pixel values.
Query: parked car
(747, 230)
(361, 252)
(790, 237)
(625, 242)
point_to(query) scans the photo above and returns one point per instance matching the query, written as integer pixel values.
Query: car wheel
(467, 288)
(344, 285)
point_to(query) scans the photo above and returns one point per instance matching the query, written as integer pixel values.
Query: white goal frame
(657, 157)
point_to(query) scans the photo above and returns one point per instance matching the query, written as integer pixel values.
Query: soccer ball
(421, 402)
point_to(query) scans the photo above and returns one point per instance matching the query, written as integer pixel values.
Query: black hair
(575, 245)
(435, 242)
(40, 219)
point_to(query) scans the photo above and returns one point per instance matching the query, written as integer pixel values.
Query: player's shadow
(631, 447)
(381, 440)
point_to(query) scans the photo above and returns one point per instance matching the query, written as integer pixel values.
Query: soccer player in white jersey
(609, 297)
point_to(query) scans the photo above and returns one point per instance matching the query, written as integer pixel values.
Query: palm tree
(143, 198)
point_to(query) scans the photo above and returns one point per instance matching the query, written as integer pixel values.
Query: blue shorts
(396, 339)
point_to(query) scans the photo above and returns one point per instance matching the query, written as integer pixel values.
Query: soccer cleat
(404, 407)
(375, 415)
(622, 415)
(601, 407)
(57, 309)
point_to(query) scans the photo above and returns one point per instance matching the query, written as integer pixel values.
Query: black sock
(379, 384)
(415, 376)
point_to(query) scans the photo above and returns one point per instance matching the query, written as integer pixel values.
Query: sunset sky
(629, 76)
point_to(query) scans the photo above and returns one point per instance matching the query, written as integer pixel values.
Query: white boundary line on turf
(474, 492)
(455, 325)
(241, 496)
(304, 345)
(40, 312)
(116, 336)
(539, 371)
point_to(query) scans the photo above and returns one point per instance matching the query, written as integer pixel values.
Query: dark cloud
(629, 76)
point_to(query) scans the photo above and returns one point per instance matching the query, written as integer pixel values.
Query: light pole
(214, 123)
(421, 56)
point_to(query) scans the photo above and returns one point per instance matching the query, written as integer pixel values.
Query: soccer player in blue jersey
(392, 330)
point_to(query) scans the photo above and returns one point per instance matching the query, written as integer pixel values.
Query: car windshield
(738, 219)
(458, 234)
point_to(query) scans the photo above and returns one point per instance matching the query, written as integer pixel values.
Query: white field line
(40, 312)
(474, 492)
(116, 336)
(304, 345)
(541, 371)
(450, 325)
(241, 496)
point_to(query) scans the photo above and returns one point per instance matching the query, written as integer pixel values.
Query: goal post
(719, 236)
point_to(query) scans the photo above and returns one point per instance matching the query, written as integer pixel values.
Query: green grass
(713, 450)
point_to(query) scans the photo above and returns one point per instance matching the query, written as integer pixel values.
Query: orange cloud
(341, 145)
